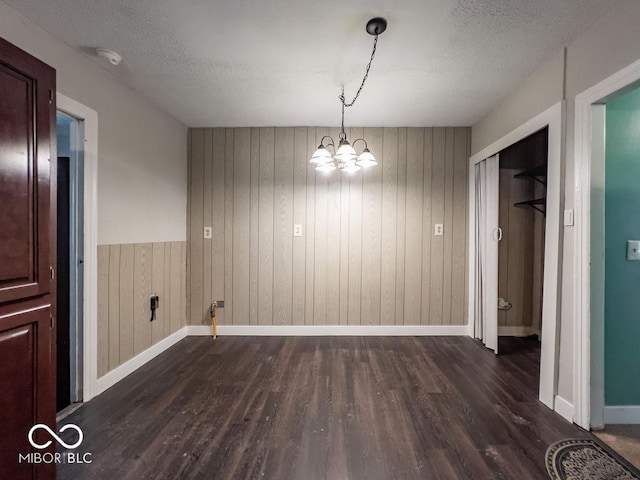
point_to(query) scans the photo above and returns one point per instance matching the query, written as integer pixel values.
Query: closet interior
(522, 205)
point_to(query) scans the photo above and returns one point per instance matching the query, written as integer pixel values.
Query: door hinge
(51, 321)
(50, 96)
(52, 273)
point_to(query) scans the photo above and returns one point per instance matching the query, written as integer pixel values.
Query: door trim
(90, 286)
(588, 347)
(554, 118)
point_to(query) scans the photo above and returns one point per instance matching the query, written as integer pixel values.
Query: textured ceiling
(282, 62)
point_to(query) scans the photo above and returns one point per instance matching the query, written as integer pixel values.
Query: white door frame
(90, 286)
(553, 118)
(588, 308)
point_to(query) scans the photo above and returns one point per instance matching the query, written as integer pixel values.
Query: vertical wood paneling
(189, 220)
(128, 275)
(299, 217)
(447, 256)
(354, 288)
(457, 228)
(114, 306)
(437, 216)
(157, 288)
(218, 223)
(228, 225)
(283, 226)
(183, 283)
(344, 207)
(166, 297)
(401, 210)
(103, 310)
(207, 215)
(367, 255)
(265, 227)
(371, 233)
(175, 274)
(254, 233)
(127, 257)
(309, 230)
(333, 219)
(320, 243)
(141, 292)
(414, 229)
(196, 194)
(389, 169)
(241, 225)
(427, 223)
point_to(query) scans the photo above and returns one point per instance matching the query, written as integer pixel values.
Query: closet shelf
(533, 204)
(535, 173)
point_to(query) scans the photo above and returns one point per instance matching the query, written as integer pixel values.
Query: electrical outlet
(297, 230)
(438, 229)
(207, 232)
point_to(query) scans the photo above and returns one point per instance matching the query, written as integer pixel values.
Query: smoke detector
(112, 57)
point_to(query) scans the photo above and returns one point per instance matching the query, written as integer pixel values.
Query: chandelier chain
(364, 79)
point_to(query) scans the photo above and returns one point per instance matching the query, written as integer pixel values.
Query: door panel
(25, 369)
(27, 250)
(25, 147)
(493, 237)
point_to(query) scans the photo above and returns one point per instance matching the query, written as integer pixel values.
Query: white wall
(608, 45)
(142, 164)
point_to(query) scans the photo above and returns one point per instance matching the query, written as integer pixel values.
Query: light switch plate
(633, 250)
(438, 229)
(297, 230)
(568, 217)
(207, 232)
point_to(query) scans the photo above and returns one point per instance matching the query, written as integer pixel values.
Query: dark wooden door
(27, 254)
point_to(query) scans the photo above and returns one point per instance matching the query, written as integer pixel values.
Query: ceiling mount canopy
(345, 157)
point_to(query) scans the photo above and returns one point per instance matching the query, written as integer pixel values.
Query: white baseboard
(130, 366)
(622, 414)
(331, 330)
(516, 331)
(563, 408)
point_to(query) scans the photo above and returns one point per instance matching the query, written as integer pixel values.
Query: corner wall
(141, 186)
(605, 47)
(368, 254)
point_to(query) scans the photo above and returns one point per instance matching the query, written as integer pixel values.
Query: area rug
(587, 460)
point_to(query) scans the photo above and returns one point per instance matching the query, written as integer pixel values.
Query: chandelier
(345, 157)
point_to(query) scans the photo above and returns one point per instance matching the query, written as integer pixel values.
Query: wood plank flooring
(323, 408)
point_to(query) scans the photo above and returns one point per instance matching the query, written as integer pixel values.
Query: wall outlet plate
(208, 232)
(297, 230)
(438, 229)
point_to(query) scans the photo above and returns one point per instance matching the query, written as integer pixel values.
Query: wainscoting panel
(368, 254)
(127, 276)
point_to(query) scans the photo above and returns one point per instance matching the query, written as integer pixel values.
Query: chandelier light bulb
(345, 153)
(366, 159)
(321, 156)
(326, 167)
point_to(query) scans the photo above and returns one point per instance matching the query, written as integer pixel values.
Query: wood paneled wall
(368, 254)
(127, 276)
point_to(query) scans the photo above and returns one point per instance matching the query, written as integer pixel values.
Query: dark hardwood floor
(323, 408)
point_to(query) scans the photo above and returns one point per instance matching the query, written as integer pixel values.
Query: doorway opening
(485, 236)
(70, 259)
(521, 219)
